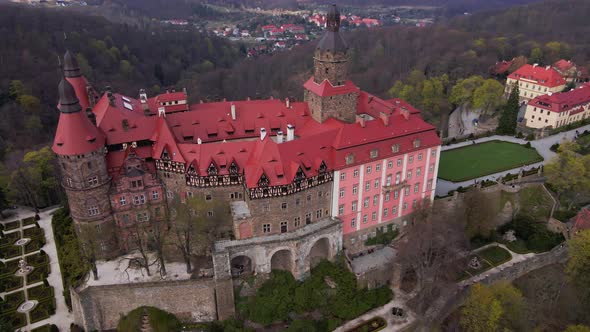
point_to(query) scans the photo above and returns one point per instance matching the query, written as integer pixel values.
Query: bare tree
(88, 247)
(157, 234)
(431, 247)
(480, 211)
(195, 224)
(137, 235)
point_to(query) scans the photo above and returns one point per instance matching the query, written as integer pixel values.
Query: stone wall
(100, 307)
(457, 295)
(342, 107)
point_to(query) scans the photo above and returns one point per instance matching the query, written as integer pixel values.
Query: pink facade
(384, 190)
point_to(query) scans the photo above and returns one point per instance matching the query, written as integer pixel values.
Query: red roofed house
(582, 221)
(534, 81)
(570, 71)
(303, 180)
(555, 110)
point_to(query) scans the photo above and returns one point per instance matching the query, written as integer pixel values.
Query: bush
(160, 320)
(554, 147)
(72, 266)
(528, 145)
(534, 234)
(382, 237)
(530, 137)
(281, 295)
(519, 134)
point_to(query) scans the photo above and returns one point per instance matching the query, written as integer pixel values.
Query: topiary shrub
(160, 320)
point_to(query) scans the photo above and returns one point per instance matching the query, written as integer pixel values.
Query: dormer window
(395, 148)
(323, 168)
(263, 181)
(374, 153)
(233, 168)
(349, 159)
(416, 143)
(299, 175)
(192, 170)
(165, 155)
(212, 170)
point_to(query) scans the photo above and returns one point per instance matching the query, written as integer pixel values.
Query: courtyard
(473, 161)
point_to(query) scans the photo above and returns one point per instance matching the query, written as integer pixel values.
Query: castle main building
(302, 179)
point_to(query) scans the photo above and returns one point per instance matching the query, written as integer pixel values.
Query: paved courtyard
(62, 317)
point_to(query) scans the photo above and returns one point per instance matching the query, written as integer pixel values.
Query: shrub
(382, 237)
(528, 145)
(554, 147)
(530, 137)
(519, 134)
(160, 320)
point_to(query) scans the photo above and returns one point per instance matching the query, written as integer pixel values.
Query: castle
(303, 180)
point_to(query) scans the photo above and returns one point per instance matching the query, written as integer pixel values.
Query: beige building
(534, 81)
(555, 110)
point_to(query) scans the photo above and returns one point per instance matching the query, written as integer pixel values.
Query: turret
(80, 147)
(328, 93)
(330, 57)
(84, 91)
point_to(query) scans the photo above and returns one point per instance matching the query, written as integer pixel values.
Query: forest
(429, 66)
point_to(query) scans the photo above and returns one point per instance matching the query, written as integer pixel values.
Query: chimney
(547, 68)
(262, 134)
(290, 132)
(287, 103)
(111, 98)
(280, 137)
(201, 101)
(224, 99)
(405, 113)
(360, 120)
(184, 90)
(143, 100)
(233, 111)
(199, 141)
(248, 99)
(550, 94)
(385, 118)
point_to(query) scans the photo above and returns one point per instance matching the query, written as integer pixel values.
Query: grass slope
(472, 161)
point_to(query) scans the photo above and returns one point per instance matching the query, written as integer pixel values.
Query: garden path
(62, 317)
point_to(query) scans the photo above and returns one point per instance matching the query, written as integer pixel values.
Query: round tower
(84, 91)
(80, 147)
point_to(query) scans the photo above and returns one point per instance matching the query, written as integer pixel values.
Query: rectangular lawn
(473, 161)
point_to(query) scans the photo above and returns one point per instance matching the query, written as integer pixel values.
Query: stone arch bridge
(296, 252)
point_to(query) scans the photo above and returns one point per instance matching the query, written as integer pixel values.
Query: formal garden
(473, 161)
(484, 260)
(24, 267)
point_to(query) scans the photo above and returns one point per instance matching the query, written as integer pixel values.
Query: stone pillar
(224, 290)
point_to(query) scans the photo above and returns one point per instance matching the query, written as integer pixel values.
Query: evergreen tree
(507, 124)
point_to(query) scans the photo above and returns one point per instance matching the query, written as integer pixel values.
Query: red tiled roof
(501, 67)
(564, 101)
(170, 96)
(545, 76)
(325, 89)
(583, 219)
(75, 135)
(563, 65)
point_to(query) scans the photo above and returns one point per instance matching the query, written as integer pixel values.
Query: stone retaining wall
(101, 307)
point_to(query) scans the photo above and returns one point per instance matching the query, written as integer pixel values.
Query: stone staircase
(145, 322)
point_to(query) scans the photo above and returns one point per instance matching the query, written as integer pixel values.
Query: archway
(281, 260)
(241, 265)
(319, 251)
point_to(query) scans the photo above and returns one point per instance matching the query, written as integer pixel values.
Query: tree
(89, 247)
(568, 172)
(432, 246)
(194, 223)
(513, 305)
(15, 89)
(462, 92)
(509, 117)
(577, 328)
(482, 311)
(578, 265)
(488, 96)
(536, 56)
(157, 234)
(479, 212)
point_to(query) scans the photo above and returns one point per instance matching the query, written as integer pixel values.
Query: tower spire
(70, 65)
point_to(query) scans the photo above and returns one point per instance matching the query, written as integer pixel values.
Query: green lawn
(472, 161)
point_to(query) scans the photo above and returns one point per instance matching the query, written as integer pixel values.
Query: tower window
(327, 70)
(266, 228)
(93, 210)
(93, 181)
